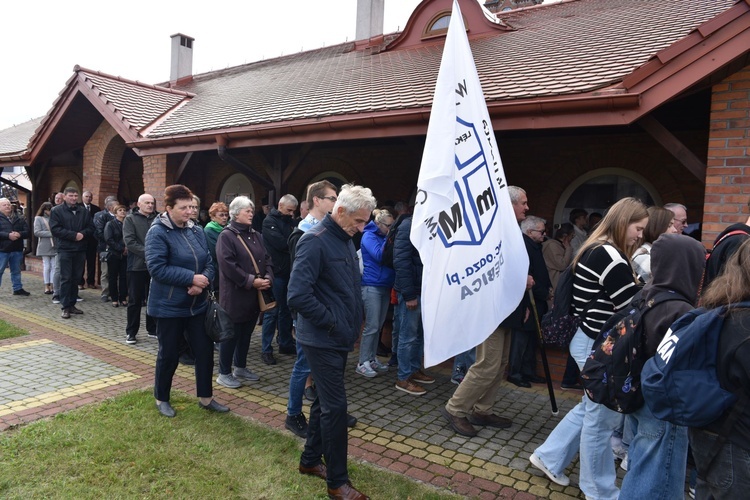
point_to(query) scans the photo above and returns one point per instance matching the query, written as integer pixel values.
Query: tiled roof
(13, 140)
(559, 49)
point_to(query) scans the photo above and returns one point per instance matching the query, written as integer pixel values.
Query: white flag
(475, 261)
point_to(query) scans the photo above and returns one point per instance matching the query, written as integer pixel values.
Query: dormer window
(441, 23)
(438, 25)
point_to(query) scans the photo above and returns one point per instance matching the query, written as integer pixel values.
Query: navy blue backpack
(680, 382)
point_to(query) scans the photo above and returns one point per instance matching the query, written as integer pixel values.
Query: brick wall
(728, 176)
(102, 156)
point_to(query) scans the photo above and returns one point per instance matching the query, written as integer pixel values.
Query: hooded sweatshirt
(676, 266)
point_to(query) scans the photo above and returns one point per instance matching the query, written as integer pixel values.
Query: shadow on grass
(122, 448)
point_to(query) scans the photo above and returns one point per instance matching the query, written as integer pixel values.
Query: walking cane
(543, 351)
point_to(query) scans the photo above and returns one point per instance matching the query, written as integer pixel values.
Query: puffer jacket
(7, 226)
(406, 262)
(65, 222)
(375, 274)
(324, 288)
(173, 256)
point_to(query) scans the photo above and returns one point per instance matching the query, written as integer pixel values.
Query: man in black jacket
(70, 224)
(134, 231)
(92, 255)
(13, 230)
(277, 227)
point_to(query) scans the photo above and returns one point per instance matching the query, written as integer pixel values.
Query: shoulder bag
(266, 300)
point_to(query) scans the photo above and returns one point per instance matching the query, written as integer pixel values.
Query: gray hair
(515, 193)
(110, 203)
(670, 206)
(530, 222)
(238, 204)
(354, 198)
(289, 200)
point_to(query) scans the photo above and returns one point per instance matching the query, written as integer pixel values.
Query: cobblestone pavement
(64, 364)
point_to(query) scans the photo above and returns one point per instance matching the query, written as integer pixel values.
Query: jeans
(395, 327)
(71, 270)
(297, 383)
(235, 350)
(729, 475)
(375, 299)
(278, 317)
(411, 339)
(656, 458)
(56, 277)
(327, 434)
(478, 391)
(48, 268)
(586, 428)
(466, 359)
(14, 259)
(138, 287)
(172, 332)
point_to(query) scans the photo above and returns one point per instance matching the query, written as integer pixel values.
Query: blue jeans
(297, 383)
(14, 258)
(585, 429)
(465, 359)
(656, 458)
(395, 327)
(411, 339)
(729, 475)
(375, 299)
(278, 317)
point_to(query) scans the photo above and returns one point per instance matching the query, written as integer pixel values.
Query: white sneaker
(245, 373)
(228, 380)
(562, 479)
(379, 367)
(365, 370)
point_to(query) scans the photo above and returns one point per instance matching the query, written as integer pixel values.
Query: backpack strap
(730, 233)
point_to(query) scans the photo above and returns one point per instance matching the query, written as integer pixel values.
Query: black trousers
(234, 351)
(522, 359)
(89, 275)
(118, 278)
(138, 286)
(327, 434)
(171, 332)
(71, 270)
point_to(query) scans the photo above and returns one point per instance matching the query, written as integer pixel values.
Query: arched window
(438, 25)
(237, 185)
(599, 189)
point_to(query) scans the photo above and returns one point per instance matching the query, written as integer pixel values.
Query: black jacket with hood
(676, 266)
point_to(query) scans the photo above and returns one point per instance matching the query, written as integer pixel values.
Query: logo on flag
(464, 226)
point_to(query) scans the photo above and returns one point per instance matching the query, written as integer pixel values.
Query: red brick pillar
(728, 174)
(156, 177)
(102, 157)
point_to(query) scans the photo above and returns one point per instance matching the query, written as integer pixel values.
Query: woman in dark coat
(117, 257)
(238, 288)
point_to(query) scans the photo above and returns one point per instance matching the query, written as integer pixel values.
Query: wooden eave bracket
(674, 146)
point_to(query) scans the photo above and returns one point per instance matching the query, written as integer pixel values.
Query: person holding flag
(466, 231)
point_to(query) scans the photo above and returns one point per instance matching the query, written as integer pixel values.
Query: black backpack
(387, 258)
(612, 373)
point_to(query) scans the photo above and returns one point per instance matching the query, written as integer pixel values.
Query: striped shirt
(602, 268)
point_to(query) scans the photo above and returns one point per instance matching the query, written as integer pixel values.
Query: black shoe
(351, 421)
(311, 393)
(534, 379)
(571, 387)
(187, 360)
(75, 310)
(130, 339)
(214, 406)
(297, 424)
(104, 298)
(65, 314)
(268, 358)
(165, 409)
(288, 350)
(519, 382)
(21, 291)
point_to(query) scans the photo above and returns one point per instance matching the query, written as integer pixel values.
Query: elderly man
(680, 216)
(277, 227)
(134, 231)
(324, 289)
(522, 371)
(92, 255)
(13, 230)
(473, 400)
(70, 224)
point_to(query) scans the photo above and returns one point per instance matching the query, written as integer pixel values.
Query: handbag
(266, 300)
(104, 255)
(219, 326)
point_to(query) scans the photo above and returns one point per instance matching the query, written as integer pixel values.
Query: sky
(41, 42)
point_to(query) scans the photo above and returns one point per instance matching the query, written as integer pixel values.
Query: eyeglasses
(193, 207)
(540, 231)
(681, 221)
(330, 198)
(384, 224)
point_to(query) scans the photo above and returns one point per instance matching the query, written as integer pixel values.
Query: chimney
(182, 57)
(370, 14)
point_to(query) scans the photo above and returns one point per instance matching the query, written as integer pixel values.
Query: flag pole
(543, 351)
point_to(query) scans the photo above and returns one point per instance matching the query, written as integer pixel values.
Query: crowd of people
(331, 291)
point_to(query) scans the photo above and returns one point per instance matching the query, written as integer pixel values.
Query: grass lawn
(122, 448)
(8, 331)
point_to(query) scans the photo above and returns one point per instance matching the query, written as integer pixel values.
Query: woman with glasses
(377, 281)
(219, 214)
